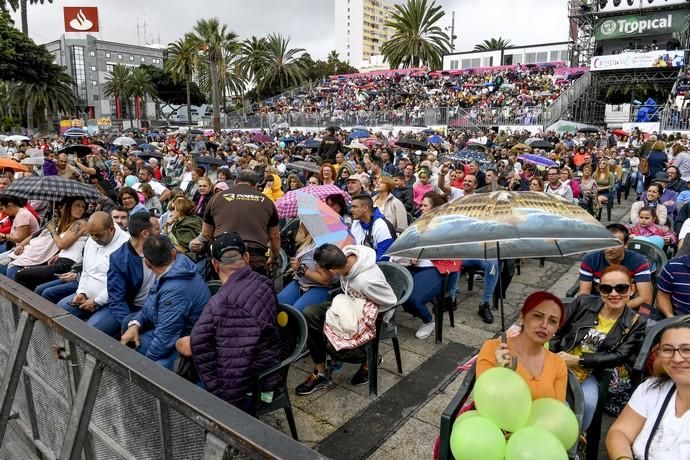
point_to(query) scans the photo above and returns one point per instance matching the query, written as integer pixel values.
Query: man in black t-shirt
(248, 212)
(330, 145)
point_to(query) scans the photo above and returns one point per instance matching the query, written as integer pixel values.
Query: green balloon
(557, 417)
(465, 415)
(477, 438)
(503, 397)
(281, 144)
(532, 443)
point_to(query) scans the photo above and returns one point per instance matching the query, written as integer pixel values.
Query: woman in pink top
(647, 226)
(422, 186)
(24, 224)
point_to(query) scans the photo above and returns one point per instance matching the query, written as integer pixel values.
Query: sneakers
(485, 313)
(425, 330)
(361, 377)
(314, 382)
(333, 366)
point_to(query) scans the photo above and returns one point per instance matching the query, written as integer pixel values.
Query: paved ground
(403, 422)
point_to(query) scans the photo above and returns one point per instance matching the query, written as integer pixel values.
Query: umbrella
(588, 130)
(251, 146)
(210, 160)
(51, 188)
(16, 138)
(262, 138)
(356, 145)
(3, 137)
(147, 147)
(312, 144)
(509, 225)
(371, 141)
(521, 148)
(537, 160)
(124, 140)
(195, 131)
(150, 154)
(209, 132)
(33, 161)
(467, 156)
(358, 135)
(282, 126)
(34, 153)
(323, 224)
(429, 131)
(287, 204)
(566, 129)
(78, 149)
(619, 132)
(75, 132)
(541, 144)
(305, 166)
(6, 163)
(435, 139)
(412, 144)
(360, 128)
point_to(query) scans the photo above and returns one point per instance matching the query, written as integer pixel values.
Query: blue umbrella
(537, 160)
(466, 156)
(357, 135)
(288, 139)
(312, 144)
(360, 128)
(147, 147)
(428, 131)
(435, 139)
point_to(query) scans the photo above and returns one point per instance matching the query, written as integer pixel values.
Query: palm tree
(47, 97)
(21, 5)
(332, 59)
(283, 66)
(493, 44)
(182, 62)
(117, 86)
(139, 85)
(417, 39)
(212, 38)
(254, 58)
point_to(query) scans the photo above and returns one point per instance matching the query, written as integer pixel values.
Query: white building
(360, 32)
(529, 54)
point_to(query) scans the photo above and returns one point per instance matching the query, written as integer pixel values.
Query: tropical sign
(637, 25)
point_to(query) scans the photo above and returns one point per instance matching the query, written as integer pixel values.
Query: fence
(674, 119)
(70, 392)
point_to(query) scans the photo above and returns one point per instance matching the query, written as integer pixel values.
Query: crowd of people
(190, 208)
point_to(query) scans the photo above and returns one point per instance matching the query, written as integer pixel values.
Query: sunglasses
(607, 289)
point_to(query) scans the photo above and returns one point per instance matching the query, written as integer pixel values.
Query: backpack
(369, 238)
(644, 165)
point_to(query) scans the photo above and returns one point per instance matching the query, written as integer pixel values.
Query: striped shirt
(595, 262)
(675, 280)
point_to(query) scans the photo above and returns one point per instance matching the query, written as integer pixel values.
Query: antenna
(138, 34)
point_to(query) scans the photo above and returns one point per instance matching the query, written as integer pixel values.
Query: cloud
(308, 22)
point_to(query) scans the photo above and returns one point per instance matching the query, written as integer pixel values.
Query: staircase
(672, 116)
(567, 99)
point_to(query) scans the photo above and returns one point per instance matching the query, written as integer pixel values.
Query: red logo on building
(81, 18)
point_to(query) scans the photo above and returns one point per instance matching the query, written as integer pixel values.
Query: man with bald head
(92, 292)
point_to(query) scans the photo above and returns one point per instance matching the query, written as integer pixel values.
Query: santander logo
(81, 22)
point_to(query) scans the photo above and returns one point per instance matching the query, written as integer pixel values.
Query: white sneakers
(425, 330)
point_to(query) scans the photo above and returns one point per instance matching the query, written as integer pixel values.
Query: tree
(254, 58)
(283, 67)
(117, 86)
(417, 39)
(21, 5)
(493, 44)
(139, 85)
(170, 92)
(45, 98)
(182, 61)
(213, 40)
(333, 59)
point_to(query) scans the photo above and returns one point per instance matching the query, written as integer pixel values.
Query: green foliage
(47, 97)
(417, 39)
(493, 44)
(21, 59)
(170, 91)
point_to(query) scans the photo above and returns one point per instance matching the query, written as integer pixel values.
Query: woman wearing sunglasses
(601, 332)
(655, 424)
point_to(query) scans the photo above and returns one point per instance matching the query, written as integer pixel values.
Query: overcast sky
(308, 22)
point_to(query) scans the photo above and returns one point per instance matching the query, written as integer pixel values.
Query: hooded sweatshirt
(367, 279)
(276, 188)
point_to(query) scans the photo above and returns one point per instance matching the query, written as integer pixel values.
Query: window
(565, 55)
(488, 61)
(108, 67)
(95, 97)
(93, 68)
(92, 53)
(107, 55)
(143, 59)
(131, 58)
(79, 74)
(454, 64)
(530, 58)
(94, 83)
(542, 56)
(119, 56)
(553, 56)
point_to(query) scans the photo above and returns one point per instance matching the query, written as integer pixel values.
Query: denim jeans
(590, 390)
(145, 340)
(291, 295)
(427, 286)
(56, 290)
(102, 319)
(490, 268)
(9, 271)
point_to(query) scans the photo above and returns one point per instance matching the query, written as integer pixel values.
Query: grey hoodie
(366, 278)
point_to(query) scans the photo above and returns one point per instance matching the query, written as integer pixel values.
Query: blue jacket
(174, 305)
(125, 276)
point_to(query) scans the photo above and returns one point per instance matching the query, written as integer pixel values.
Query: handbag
(340, 328)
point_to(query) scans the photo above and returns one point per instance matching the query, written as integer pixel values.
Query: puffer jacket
(125, 276)
(621, 345)
(237, 336)
(173, 306)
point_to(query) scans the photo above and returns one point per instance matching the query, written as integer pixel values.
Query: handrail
(561, 105)
(86, 355)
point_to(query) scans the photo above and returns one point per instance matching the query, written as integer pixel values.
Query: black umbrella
(588, 130)
(541, 144)
(150, 154)
(195, 131)
(77, 149)
(467, 156)
(209, 160)
(412, 144)
(51, 188)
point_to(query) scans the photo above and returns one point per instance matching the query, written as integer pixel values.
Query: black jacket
(620, 346)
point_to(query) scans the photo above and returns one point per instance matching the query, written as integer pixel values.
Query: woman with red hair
(545, 373)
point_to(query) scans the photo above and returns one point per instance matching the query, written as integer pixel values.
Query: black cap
(229, 241)
(661, 176)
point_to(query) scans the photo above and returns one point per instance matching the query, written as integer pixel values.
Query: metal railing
(70, 392)
(674, 119)
(567, 98)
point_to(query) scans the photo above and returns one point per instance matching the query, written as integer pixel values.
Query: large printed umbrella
(467, 156)
(124, 140)
(323, 224)
(51, 188)
(509, 225)
(537, 160)
(287, 205)
(412, 144)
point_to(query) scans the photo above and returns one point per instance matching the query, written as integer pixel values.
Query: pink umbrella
(371, 141)
(287, 205)
(209, 132)
(263, 138)
(322, 223)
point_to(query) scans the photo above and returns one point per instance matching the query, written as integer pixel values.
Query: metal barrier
(70, 392)
(674, 119)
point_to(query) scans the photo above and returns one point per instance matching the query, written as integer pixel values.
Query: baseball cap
(661, 176)
(229, 241)
(357, 177)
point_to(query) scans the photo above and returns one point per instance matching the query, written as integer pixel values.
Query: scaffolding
(582, 15)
